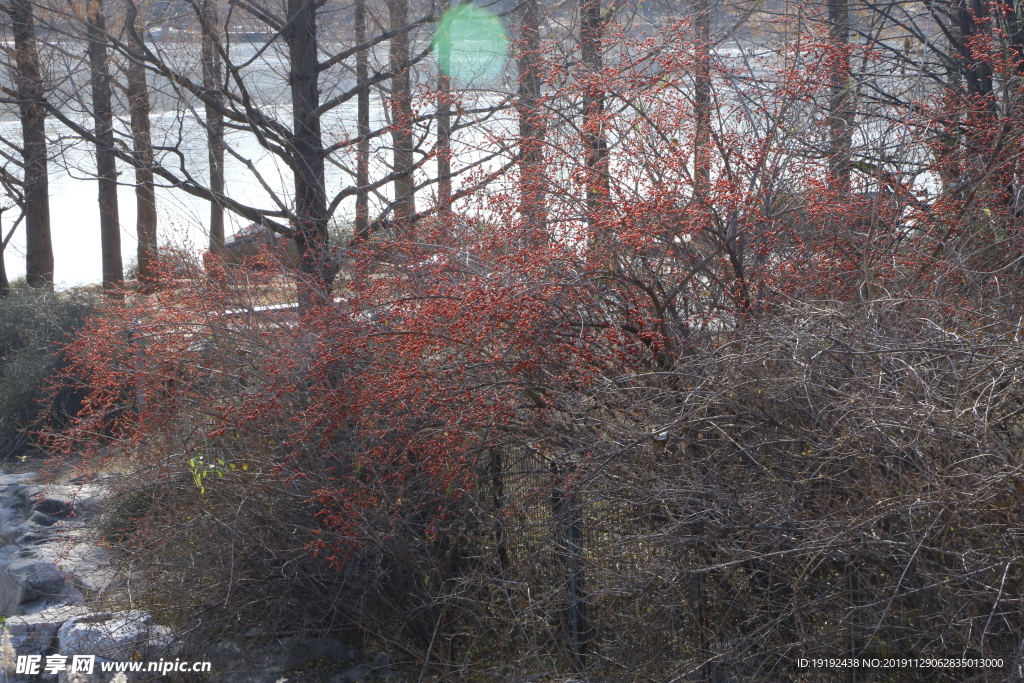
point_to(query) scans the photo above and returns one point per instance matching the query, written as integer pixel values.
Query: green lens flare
(470, 44)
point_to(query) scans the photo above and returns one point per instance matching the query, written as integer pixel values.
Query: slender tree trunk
(840, 118)
(317, 271)
(39, 245)
(972, 19)
(5, 286)
(596, 162)
(214, 120)
(106, 168)
(362, 125)
(444, 123)
(702, 99)
(401, 112)
(532, 183)
(145, 193)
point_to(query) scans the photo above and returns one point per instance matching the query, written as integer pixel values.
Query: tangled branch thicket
(834, 481)
(828, 480)
(632, 417)
(32, 324)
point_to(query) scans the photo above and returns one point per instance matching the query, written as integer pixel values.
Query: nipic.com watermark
(33, 665)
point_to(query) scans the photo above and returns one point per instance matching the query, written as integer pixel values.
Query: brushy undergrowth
(826, 479)
(32, 324)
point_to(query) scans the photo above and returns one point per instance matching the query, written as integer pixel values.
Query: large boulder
(118, 636)
(34, 634)
(27, 579)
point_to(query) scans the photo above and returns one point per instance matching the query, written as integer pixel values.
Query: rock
(71, 547)
(29, 494)
(12, 510)
(297, 652)
(54, 507)
(269, 663)
(26, 579)
(80, 501)
(115, 636)
(44, 573)
(225, 654)
(161, 642)
(33, 634)
(41, 518)
(32, 537)
(15, 479)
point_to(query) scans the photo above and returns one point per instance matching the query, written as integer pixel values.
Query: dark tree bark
(532, 189)
(5, 286)
(840, 117)
(591, 38)
(972, 18)
(39, 245)
(702, 99)
(401, 112)
(444, 125)
(308, 154)
(212, 70)
(106, 167)
(362, 223)
(142, 144)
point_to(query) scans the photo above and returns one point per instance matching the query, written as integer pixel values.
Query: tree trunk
(596, 148)
(310, 188)
(702, 100)
(532, 183)
(839, 114)
(214, 120)
(106, 168)
(145, 193)
(444, 124)
(39, 245)
(401, 112)
(362, 125)
(972, 18)
(5, 286)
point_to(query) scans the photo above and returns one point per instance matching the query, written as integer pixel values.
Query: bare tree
(839, 115)
(401, 111)
(106, 163)
(362, 175)
(444, 116)
(212, 75)
(5, 286)
(532, 190)
(142, 146)
(29, 92)
(702, 98)
(598, 187)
